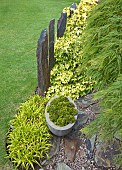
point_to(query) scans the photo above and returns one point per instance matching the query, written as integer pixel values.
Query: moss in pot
(60, 115)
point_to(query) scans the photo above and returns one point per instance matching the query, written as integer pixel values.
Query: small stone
(85, 102)
(43, 162)
(92, 140)
(90, 147)
(81, 120)
(62, 166)
(73, 6)
(88, 144)
(89, 155)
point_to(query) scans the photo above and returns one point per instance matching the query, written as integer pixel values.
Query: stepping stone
(62, 166)
(54, 149)
(70, 147)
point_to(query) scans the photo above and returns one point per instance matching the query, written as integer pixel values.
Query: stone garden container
(57, 130)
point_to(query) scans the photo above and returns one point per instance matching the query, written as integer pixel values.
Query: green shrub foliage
(102, 47)
(66, 79)
(62, 111)
(28, 142)
(102, 60)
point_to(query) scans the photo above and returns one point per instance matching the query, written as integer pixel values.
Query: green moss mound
(62, 111)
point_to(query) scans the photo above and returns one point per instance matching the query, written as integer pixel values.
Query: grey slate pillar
(51, 44)
(42, 63)
(61, 25)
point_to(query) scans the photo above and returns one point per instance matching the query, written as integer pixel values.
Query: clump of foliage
(102, 47)
(66, 79)
(61, 111)
(28, 142)
(102, 60)
(109, 122)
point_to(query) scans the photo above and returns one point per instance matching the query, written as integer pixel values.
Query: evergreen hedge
(102, 60)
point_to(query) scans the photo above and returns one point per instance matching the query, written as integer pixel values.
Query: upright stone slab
(46, 65)
(61, 25)
(72, 8)
(51, 44)
(42, 63)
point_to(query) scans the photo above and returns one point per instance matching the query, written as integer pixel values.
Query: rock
(105, 153)
(83, 168)
(87, 101)
(70, 147)
(95, 108)
(89, 155)
(84, 104)
(73, 6)
(43, 162)
(81, 120)
(55, 146)
(90, 143)
(92, 140)
(62, 166)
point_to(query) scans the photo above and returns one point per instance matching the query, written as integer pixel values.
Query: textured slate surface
(61, 25)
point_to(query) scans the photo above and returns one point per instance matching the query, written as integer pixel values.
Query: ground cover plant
(21, 22)
(61, 111)
(102, 59)
(66, 78)
(28, 142)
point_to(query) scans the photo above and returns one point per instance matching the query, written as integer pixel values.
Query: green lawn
(21, 22)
